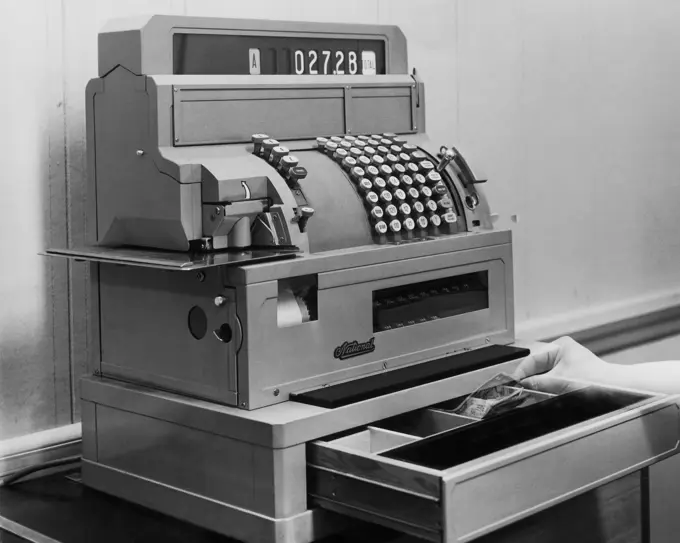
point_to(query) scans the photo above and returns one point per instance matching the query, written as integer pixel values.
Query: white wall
(555, 101)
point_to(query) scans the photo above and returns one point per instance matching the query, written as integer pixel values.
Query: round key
(389, 135)
(379, 183)
(376, 137)
(297, 173)
(426, 191)
(364, 161)
(340, 154)
(409, 148)
(398, 169)
(355, 152)
(321, 142)
(445, 203)
(395, 225)
(372, 198)
(385, 170)
(336, 139)
(395, 149)
(412, 168)
(359, 144)
(377, 212)
(418, 156)
(391, 210)
(409, 224)
(380, 227)
(372, 171)
(422, 222)
(440, 188)
(363, 138)
(435, 220)
(413, 193)
(419, 207)
(386, 196)
(365, 185)
(399, 140)
(419, 179)
(369, 151)
(382, 150)
(377, 160)
(407, 180)
(277, 154)
(330, 148)
(405, 209)
(348, 163)
(288, 162)
(431, 205)
(433, 177)
(357, 173)
(346, 145)
(350, 138)
(257, 140)
(267, 146)
(399, 195)
(373, 142)
(449, 218)
(393, 182)
(426, 166)
(391, 160)
(386, 142)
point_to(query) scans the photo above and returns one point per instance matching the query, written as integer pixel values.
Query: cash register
(293, 285)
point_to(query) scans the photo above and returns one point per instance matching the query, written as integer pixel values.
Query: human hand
(568, 360)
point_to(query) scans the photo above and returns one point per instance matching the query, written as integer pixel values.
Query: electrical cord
(20, 474)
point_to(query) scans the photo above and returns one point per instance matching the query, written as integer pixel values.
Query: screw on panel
(200, 276)
(140, 152)
(218, 210)
(220, 301)
(384, 365)
(276, 392)
(243, 404)
(176, 89)
(487, 340)
(176, 139)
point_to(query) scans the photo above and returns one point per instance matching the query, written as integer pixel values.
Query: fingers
(536, 363)
(546, 383)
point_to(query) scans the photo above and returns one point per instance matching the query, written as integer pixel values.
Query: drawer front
(351, 476)
(511, 489)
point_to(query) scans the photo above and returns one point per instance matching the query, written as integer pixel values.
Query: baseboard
(39, 447)
(651, 309)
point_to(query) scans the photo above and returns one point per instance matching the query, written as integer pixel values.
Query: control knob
(409, 224)
(277, 154)
(296, 174)
(380, 227)
(305, 213)
(267, 146)
(287, 162)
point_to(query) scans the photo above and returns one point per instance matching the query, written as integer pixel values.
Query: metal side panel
(482, 494)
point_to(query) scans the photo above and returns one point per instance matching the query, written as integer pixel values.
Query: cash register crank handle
(466, 176)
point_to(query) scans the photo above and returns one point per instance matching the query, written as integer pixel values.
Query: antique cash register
(294, 287)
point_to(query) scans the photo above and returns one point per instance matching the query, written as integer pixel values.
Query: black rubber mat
(376, 385)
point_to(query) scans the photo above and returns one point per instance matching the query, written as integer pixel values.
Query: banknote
(495, 396)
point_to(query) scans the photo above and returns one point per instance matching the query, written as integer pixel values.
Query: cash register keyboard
(404, 195)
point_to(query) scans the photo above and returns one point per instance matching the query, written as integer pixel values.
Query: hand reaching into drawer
(559, 370)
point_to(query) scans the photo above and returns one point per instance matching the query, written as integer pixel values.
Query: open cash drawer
(443, 477)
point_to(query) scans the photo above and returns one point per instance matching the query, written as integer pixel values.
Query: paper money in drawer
(443, 477)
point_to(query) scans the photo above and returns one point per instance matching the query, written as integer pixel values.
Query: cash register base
(275, 475)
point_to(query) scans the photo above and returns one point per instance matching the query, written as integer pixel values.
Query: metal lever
(303, 215)
(447, 155)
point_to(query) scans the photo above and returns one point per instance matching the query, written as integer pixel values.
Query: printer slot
(474, 477)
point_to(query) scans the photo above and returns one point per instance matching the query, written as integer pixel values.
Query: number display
(327, 62)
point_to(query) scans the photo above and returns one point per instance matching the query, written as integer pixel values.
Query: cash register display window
(417, 303)
(220, 54)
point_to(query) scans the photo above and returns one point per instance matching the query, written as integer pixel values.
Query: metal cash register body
(293, 285)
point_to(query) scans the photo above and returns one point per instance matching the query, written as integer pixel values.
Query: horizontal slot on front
(466, 443)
